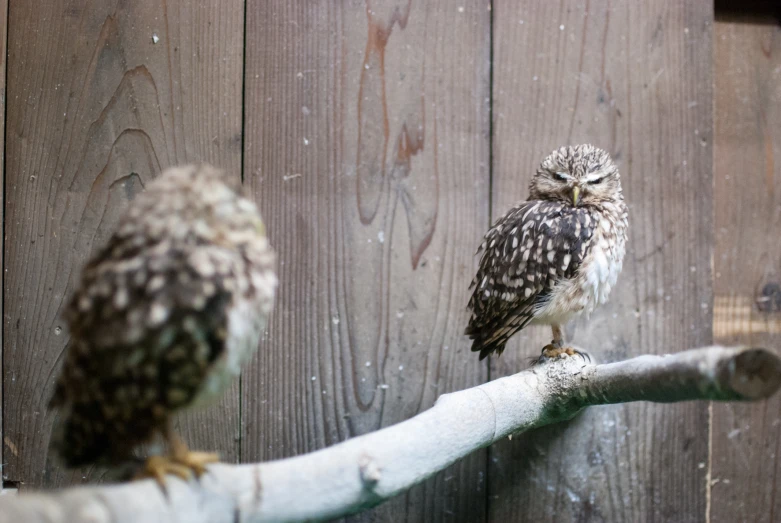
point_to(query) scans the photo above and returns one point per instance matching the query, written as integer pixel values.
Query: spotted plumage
(164, 316)
(554, 256)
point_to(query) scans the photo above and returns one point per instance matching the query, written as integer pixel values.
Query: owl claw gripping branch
(553, 257)
(164, 317)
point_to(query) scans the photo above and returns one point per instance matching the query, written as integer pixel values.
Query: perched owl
(164, 317)
(554, 256)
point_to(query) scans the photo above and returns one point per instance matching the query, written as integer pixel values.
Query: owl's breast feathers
(525, 255)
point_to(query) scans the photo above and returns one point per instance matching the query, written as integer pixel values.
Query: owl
(163, 319)
(553, 257)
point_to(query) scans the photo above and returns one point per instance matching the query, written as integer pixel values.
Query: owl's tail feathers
(79, 437)
(487, 341)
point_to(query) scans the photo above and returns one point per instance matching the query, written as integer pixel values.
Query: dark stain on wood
(364, 333)
(421, 213)
(769, 299)
(373, 128)
(372, 165)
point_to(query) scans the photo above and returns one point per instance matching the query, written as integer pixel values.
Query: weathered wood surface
(367, 148)
(634, 78)
(747, 259)
(102, 97)
(3, 40)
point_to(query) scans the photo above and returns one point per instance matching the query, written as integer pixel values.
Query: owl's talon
(555, 350)
(157, 467)
(193, 461)
(196, 461)
(549, 352)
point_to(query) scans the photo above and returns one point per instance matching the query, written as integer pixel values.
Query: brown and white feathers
(554, 256)
(164, 316)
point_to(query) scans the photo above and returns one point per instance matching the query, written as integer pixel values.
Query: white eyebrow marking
(596, 175)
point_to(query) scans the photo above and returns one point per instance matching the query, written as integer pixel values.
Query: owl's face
(579, 175)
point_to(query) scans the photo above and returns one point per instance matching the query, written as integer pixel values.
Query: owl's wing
(152, 320)
(146, 329)
(524, 254)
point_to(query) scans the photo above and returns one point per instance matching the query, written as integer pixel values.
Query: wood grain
(97, 108)
(635, 79)
(746, 475)
(367, 148)
(3, 40)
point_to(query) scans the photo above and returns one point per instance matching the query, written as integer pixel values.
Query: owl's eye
(596, 181)
(560, 177)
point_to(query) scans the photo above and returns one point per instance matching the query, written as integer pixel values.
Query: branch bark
(367, 470)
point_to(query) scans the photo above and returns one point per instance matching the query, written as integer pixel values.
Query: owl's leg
(558, 336)
(556, 347)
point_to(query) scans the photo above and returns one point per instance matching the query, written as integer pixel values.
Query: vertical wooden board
(634, 78)
(746, 438)
(367, 148)
(3, 39)
(102, 97)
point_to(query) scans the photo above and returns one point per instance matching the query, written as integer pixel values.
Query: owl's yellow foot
(180, 461)
(195, 461)
(157, 467)
(184, 464)
(554, 350)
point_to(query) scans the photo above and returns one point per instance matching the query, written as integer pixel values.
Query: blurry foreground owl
(554, 256)
(164, 318)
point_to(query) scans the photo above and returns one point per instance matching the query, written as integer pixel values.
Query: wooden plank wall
(635, 78)
(747, 258)
(97, 109)
(367, 146)
(379, 139)
(3, 54)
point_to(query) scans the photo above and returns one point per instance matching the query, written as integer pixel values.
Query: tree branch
(364, 471)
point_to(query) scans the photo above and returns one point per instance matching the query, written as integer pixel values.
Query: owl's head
(195, 203)
(579, 175)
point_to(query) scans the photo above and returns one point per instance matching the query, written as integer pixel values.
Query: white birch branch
(367, 470)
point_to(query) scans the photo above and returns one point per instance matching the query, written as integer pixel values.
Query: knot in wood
(769, 299)
(370, 471)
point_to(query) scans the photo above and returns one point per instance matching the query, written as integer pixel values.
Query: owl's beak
(575, 195)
